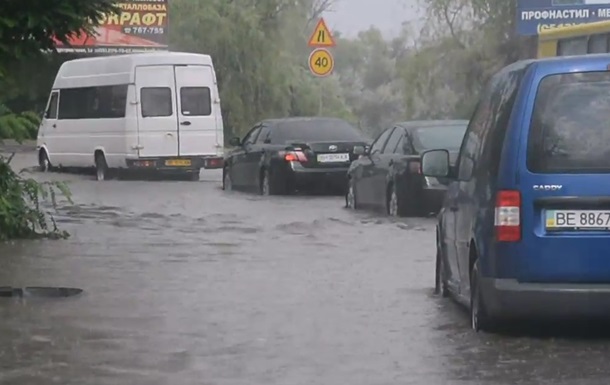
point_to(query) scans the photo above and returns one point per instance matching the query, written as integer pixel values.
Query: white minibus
(149, 111)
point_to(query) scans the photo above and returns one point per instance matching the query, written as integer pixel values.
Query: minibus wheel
(43, 161)
(479, 319)
(101, 167)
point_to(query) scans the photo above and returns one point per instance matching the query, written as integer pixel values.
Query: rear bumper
(161, 163)
(306, 177)
(508, 298)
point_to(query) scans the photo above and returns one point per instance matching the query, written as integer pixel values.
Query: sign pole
(321, 105)
(321, 61)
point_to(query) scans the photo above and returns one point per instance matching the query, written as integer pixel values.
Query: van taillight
(508, 216)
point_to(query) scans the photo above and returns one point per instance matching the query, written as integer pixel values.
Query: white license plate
(333, 158)
(577, 219)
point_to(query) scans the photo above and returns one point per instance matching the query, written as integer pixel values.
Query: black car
(279, 156)
(388, 176)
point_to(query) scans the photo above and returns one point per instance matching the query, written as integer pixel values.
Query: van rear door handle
(185, 123)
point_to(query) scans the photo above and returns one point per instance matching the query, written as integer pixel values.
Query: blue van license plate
(578, 219)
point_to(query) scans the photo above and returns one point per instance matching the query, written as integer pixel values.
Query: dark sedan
(388, 176)
(280, 156)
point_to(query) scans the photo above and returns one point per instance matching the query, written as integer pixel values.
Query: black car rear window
(315, 130)
(570, 128)
(441, 137)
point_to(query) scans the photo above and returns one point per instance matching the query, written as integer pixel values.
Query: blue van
(524, 230)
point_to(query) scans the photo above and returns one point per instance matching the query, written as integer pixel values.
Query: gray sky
(351, 16)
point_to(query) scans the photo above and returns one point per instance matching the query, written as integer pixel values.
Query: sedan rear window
(315, 130)
(445, 137)
(570, 129)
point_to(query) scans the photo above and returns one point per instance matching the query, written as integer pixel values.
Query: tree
(28, 27)
(260, 53)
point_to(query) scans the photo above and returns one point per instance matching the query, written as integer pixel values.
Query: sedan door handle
(185, 123)
(453, 208)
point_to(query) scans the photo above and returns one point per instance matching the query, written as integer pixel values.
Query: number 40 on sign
(321, 62)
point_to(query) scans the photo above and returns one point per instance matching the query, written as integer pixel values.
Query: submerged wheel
(350, 196)
(227, 183)
(44, 165)
(393, 203)
(266, 183)
(440, 287)
(101, 167)
(479, 319)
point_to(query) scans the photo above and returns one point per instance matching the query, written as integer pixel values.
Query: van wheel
(440, 287)
(44, 165)
(479, 319)
(101, 167)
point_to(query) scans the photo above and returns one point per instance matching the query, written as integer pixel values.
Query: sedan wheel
(350, 197)
(227, 184)
(393, 203)
(265, 186)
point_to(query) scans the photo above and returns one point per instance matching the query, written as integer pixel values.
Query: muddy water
(185, 284)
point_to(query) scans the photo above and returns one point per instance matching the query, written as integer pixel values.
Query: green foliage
(260, 53)
(29, 26)
(463, 43)
(22, 214)
(20, 127)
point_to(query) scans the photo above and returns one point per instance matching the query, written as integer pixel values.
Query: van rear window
(570, 129)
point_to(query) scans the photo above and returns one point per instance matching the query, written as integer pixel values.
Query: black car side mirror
(235, 142)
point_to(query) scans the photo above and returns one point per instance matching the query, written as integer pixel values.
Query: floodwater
(186, 284)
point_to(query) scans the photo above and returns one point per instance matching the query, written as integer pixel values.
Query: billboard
(142, 25)
(534, 16)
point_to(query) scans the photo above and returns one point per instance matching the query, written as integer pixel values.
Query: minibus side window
(51, 112)
(569, 127)
(573, 46)
(104, 102)
(598, 43)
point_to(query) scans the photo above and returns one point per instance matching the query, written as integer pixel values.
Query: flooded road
(186, 284)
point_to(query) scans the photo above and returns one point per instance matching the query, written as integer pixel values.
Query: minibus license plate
(333, 158)
(578, 219)
(178, 162)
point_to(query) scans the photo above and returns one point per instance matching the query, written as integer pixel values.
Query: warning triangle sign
(321, 36)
